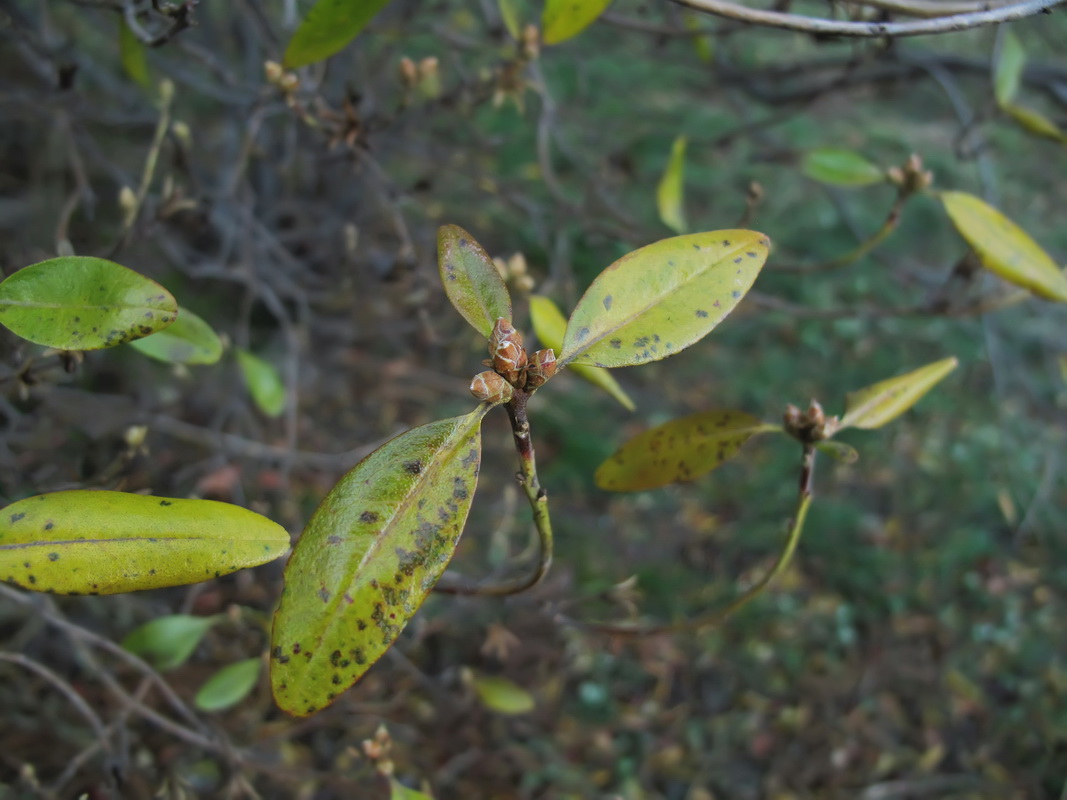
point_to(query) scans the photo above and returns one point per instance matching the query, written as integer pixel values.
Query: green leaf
(168, 642)
(660, 299)
(83, 303)
(1035, 123)
(471, 282)
(511, 14)
(549, 324)
(840, 167)
(88, 542)
(839, 451)
(328, 27)
(563, 19)
(670, 194)
(134, 56)
(189, 340)
(680, 450)
(263, 382)
(502, 696)
(1003, 247)
(229, 686)
(883, 402)
(1008, 71)
(398, 791)
(369, 556)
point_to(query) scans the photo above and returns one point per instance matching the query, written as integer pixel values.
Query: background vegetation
(915, 648)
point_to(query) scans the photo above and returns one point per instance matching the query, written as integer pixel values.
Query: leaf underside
(369, 556)
(882, 402)
(471, 282)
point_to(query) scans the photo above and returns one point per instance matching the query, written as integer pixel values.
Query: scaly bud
(542, 366)
(509, 356)
(491, 388)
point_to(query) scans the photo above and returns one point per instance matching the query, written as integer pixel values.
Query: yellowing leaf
(263, 382)
(1009, 68)
(85, 542)
(670, 194)
(189, 340)
(840, 167)
(83, 303)
(563, 19)
(549, 324)
(167, 642)
(369, 556)
(472, 283)
(134, 59)
(503, 696)
(1035, 123)
(229, 686)
(328, 27)
(658, 300)
(883, 402)
(1003, 247)
(680, 450)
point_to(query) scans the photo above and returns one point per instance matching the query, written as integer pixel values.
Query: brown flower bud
(816, 416)
(503, 331)
(409, 74)
(510, 360)
(791, 417)
(542, 366)
(490, 388)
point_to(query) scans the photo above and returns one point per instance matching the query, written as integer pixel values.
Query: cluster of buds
(424, 77)
(515, 272)
(911, 178)
(378, 751)
(511, 367)
(280, 78)
(809, 426)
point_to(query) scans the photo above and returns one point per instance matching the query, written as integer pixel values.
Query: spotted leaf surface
(189, 340)
(471, 282)
(549, 324)
(886, 400)
(563, 19)
(660, 299)
(368, 557)
(1003, 247)
(328, 27)
(83, 303)
(85, 542)
(680, 450)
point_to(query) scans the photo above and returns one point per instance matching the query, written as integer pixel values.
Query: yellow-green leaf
(189, 340)
(670, 194)
(83, 303)
(328, 27)
(563, 19)
(398, 791)
(229, 686)
(1035, 123)
(658, 300)
(502, 696)
(511, 14)
(1003, 247)
(839, 451)
(702, 44)
(369, 556)
(167, 642)
(86, 542)
(839, 167)
(549, 324)
(680, 450)
(886, 400)
(1009, 68)
(134, 58)
(471, 281)
(263, 382)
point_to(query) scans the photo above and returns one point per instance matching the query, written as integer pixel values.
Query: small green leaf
(88, 542)
(471, 282)
(883, 402)
(502, 696)
(549, 324)
(658, 300)
(839, 451)
(1035, 123)
(1008, 71)
(189, 340)
(839, 167)
(680, 450)
(328, 27)
(563, 19)
(263, 382)
(670, 194)
(511, 14)
(369, 556)
(229, 686)
(168, 642)
(83, 303)
(398, 791)
(134, 56)
(1003, 247)
(702, 44)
